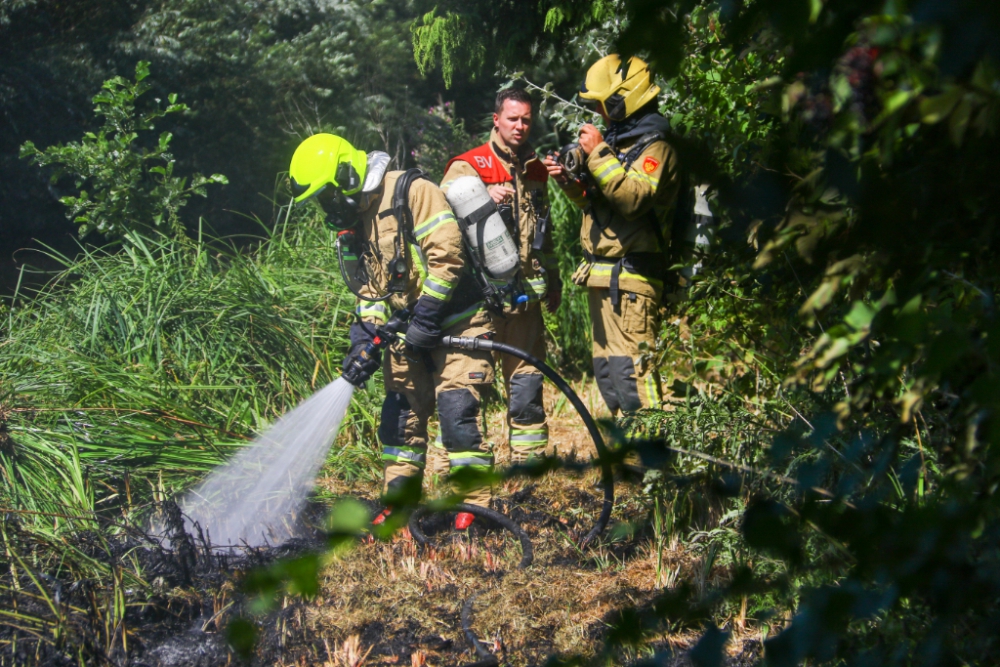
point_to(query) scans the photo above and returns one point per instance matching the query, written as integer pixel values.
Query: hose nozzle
(467, 342)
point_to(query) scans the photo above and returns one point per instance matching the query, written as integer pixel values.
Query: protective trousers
(529, 433)
(454, 380)
(625, 373)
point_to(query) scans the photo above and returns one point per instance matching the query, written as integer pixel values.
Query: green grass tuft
(138, 369)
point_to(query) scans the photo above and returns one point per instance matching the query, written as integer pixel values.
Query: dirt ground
(391, 603)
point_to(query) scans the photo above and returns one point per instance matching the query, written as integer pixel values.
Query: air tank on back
(697, 234)
(470, 201)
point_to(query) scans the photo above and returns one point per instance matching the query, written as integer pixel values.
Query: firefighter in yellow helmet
(628, 192)
(405, 228)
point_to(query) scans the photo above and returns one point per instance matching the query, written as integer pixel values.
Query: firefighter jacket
(495, 164)
(628, 209)
(438, 288)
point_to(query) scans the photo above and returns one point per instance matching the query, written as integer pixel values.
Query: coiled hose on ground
(486, 659)
(607, 476)
(527, 551)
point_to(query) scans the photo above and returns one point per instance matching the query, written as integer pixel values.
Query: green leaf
(769, 526)
(913, 306)
(935, 109)
(897, 101)
(349, 517)
(241, 634)
(709, 651)
(302, 574)
(625, 628)
(860, 317)
(28, 150)
(959, 122)
(815, 8)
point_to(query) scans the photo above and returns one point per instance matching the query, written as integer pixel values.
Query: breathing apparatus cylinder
(485, 231)
(697, 234)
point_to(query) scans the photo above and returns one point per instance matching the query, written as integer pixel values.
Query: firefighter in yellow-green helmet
(628, 191)
(402, 225)
(326, 159)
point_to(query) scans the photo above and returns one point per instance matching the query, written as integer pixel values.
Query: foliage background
(833, 434)
(258, 77)
(847, 312)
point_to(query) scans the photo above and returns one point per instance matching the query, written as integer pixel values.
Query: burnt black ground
(178, 622)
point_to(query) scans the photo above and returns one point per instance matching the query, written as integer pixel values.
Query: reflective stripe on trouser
(527, 442)
(625, 374)
(471, 459)
(412, 455)
(412, 389)
(524, 329)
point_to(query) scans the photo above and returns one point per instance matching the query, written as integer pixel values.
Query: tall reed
(139, 368)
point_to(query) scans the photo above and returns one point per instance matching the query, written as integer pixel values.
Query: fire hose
(486, 659)
(390, 332)
(527, 550)
(607, 476)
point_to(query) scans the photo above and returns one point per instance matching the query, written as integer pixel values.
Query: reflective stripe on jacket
(437, 260)
(630, 212)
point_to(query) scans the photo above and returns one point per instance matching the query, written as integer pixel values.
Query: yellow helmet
(623, 88)
(326, 159)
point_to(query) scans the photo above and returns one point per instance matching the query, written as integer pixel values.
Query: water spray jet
(254, 499)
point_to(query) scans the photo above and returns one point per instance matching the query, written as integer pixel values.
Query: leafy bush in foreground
(854, 145)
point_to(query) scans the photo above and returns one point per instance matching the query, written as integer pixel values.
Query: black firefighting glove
(424, 331)
(360, 363)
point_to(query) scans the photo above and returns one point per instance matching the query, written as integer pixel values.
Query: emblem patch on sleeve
(650, 164)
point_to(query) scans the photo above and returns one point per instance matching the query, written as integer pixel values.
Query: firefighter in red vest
(516, 180)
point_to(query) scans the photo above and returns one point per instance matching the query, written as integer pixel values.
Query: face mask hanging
(364, 274)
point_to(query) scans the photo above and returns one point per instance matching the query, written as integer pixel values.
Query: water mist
(255, 498)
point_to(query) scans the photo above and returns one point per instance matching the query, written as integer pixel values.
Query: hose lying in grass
(486, 659)
(527, 551)
(607, 477)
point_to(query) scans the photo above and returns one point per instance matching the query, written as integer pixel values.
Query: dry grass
(404, 604)
(390, 603)
(349, 653)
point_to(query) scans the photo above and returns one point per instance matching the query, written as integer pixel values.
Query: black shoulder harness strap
(645, 141)
(400, 264)
(401, 204)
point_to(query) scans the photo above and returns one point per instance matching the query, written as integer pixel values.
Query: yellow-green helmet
(326, 159)
(622, 87)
